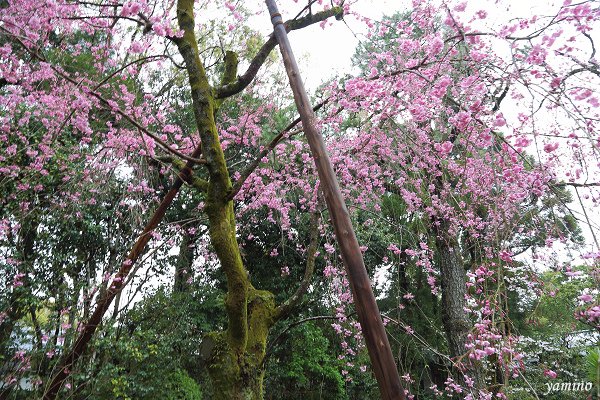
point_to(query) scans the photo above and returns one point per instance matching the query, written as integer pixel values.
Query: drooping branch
(284, 309)
(108, 104)
(244, 80)
(237, 186)
(589, 37)
(587, 218)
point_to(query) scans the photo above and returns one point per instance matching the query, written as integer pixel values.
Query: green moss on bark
(234, 357)
(240, 376)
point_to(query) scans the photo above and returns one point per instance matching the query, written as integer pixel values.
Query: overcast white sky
(323, 54)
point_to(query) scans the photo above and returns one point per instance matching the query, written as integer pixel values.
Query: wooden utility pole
(369, 317)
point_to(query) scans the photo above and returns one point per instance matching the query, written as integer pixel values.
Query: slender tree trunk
(453, 279)
(18, 306)
(183, 267)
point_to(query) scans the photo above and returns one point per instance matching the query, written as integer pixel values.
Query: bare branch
(576, 185)
(587, 35)
(119, 70)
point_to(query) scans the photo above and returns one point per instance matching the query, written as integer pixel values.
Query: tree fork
(369, 316)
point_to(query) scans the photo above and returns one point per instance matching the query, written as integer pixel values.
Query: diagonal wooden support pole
(373, 330)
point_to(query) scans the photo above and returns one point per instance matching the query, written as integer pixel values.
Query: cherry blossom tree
(109, 109)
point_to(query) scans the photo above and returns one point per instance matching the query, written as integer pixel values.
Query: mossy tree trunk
(234, 357)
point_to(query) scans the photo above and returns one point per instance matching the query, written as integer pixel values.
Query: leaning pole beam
(376, 339)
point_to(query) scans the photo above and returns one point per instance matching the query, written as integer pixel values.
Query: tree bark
(235, 375)
(454, 318)
(183, 268)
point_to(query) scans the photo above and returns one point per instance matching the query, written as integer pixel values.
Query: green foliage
(181, 387)
(553, 313)
(152, 355)
(146, 384)
(592, 363)
(552, 338)
(303, 367)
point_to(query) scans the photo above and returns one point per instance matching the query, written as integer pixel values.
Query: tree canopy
(163, 232)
